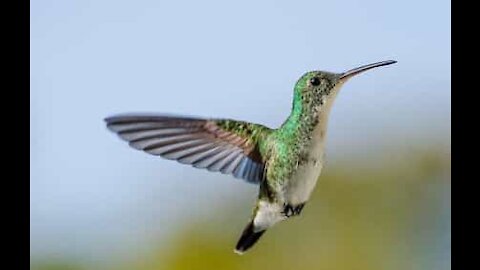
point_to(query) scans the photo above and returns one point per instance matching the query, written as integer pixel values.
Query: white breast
(303, 181)
(305, 178)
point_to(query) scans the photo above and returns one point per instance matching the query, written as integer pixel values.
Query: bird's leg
(290, 210)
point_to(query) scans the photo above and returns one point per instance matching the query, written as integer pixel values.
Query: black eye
(315, 81)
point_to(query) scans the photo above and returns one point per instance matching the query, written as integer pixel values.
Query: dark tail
(248, 239)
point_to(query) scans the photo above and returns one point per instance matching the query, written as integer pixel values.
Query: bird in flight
(284, 162)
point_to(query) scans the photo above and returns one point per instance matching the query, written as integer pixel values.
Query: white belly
(302, 184)
(303, 181)
(305, 178)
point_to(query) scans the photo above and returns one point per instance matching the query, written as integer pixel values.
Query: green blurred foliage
(391, 213)
(56, 265)
(360, 217)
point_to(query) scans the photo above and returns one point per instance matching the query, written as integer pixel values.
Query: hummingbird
(285, 162)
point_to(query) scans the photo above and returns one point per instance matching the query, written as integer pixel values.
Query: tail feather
(248, 239)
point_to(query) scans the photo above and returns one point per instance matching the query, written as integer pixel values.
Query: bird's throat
(309, 115)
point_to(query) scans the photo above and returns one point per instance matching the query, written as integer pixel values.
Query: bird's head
(315, 87)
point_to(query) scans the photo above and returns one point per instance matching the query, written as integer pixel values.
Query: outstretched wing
(226, 146)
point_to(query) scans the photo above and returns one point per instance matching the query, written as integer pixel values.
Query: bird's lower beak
(356, 71)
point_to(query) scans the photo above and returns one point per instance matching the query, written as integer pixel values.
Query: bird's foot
(290, 210)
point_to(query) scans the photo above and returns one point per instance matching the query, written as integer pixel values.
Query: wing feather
(220, 145)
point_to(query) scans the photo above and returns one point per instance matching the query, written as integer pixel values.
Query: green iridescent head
(322, 83)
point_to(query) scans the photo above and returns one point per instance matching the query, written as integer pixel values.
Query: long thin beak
(361, 69)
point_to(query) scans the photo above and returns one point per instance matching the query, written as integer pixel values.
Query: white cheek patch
(267, 215)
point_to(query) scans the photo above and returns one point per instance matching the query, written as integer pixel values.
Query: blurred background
(383, 200)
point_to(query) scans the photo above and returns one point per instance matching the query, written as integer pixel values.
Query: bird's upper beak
(358, 70)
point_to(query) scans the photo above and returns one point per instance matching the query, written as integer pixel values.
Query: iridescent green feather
(255, 134)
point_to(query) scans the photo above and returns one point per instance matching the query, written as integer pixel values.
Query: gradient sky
(92, 59)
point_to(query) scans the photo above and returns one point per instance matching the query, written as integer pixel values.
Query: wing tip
(108, 119)
(112, 119)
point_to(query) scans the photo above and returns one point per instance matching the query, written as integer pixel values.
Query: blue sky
(92, 59)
